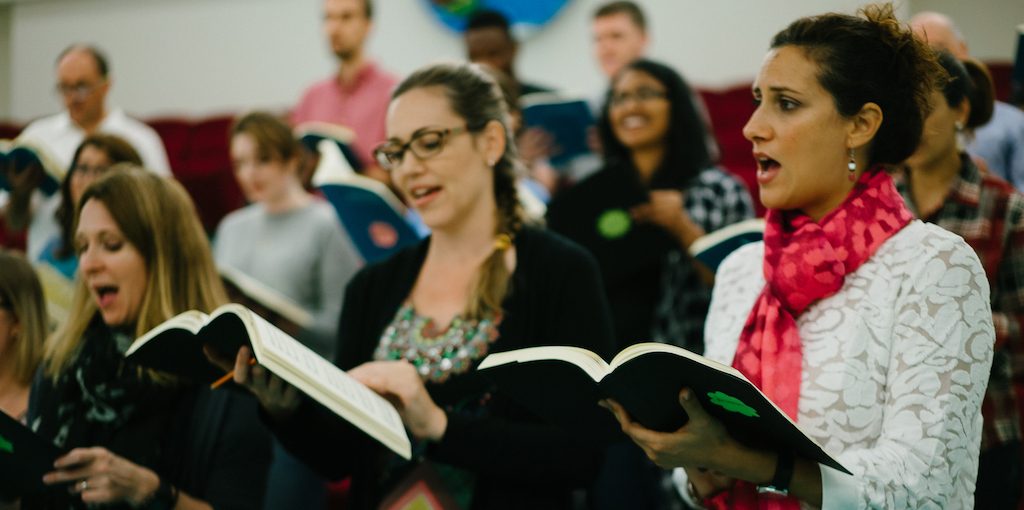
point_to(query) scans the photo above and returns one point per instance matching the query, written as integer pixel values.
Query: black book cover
(648, 387)
(24, 458)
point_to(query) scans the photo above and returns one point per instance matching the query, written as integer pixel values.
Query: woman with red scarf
(871, 330)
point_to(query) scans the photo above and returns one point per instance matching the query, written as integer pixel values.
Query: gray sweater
(304, 254)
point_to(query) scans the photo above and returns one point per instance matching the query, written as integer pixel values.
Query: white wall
(987, 25)
(5, 60)
(198, 57)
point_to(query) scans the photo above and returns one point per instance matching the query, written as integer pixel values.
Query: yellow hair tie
(502, 242)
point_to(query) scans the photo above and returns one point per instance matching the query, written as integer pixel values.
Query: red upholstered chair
(8, 239)
(200, 159)
(175, 134)
(9, 130)
(1002, 78)
(11, 240)
(208, 175)
(729, 110)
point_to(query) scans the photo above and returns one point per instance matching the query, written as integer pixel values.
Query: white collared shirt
(62, 136)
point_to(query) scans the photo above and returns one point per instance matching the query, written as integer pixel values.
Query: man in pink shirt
(357, 96)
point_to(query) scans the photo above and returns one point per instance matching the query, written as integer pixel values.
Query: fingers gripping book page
(330, 386)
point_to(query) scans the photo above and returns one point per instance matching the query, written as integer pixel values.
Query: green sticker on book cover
(732, 404)
(6, 445)
(613, 223)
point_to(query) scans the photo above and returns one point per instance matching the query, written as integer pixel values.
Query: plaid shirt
(989, 214)
(714, 200)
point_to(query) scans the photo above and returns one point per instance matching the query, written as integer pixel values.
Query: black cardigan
(519, 462)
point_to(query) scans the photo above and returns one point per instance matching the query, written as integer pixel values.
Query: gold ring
(83, 485)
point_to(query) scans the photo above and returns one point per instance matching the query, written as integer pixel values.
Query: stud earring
(852, 167)
(959, 126)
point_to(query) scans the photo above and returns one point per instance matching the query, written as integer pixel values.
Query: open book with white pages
(176, 347)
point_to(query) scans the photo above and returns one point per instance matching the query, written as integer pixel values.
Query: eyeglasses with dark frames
(425, 143)
(640, 95)
(79, 90)
(94, 171)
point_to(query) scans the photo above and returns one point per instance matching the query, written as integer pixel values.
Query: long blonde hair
(157, 217)
(21, 293)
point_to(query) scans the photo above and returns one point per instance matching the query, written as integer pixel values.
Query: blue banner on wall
(526, 17)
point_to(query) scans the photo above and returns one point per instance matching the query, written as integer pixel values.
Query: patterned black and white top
(715, 199)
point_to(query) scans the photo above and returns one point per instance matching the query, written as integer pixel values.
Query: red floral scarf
(804, 262)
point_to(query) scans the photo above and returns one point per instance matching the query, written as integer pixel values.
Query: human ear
(864, 125)
(963, 111)
(293, 165)
(494, 141)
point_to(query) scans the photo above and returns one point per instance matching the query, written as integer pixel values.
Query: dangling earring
(852, 166)
(961, 136)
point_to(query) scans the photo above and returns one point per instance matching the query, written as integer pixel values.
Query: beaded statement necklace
(437, 355)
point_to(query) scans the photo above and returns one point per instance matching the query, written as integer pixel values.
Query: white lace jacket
(895, 366)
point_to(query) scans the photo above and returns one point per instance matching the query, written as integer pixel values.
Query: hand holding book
(686, 447)
(396, 381)
(564, 384)
(26, 165)
(400, 384)
(185, 344)
(278, 398)
(705, 445)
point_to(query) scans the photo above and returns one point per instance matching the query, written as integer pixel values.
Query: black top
(208, 444)
(631, 256)
(518, 462)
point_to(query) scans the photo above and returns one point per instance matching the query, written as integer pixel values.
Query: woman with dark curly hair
(871, 330)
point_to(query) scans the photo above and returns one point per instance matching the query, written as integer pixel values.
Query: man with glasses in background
(82, 83)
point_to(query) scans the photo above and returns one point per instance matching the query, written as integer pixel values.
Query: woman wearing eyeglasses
(415, 326)
(659, 179)
(93, 157)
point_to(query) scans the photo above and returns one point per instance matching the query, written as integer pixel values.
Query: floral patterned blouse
(895, 366)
